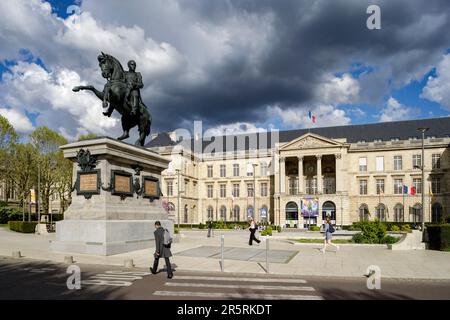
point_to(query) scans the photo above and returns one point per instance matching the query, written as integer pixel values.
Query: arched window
(329, 210)
(398, 213)
(381, 212)
(417, 212)
(436, 213)
(171, 206)
(291, 211)
(186, 214)
(210, 213)
(236, 214)
(223, 213)
(364, 212)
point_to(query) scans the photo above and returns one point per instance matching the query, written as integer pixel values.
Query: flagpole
(403, 193)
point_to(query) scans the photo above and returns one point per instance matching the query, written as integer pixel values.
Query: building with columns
(297, 178)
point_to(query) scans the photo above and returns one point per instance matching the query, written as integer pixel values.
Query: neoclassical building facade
(297, 178)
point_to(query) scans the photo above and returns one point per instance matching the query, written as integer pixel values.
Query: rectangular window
(398, 163)
(436, 161)
(169, 188)
(417, 183)
(210, 191)
(210, 171)
(362, 186)
(236, 170)
(250, 192)
(380, 163)
(380, 186)
(223, 170)
(263, 189)
(263, 169)
(436, 185)
(249, 170)
(417, 161)
(362, 164)
(293, 183)
(398, 186)
(236, 190)
(223, 190)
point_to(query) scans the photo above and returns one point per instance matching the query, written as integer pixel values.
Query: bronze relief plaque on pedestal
(151, 187)
(121, 183)
(88, 183)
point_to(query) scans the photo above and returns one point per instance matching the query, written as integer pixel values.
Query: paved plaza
(193, 251)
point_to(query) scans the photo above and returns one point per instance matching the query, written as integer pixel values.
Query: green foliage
(267, 232)
(438, 236)
(21, 226)
(314, 228)
(406, 228)
(8, 135)
(87, 136)
(279, 228)
(395, 228)
(8, 214)
(201, 226)
(3, 204)
(176, 231)
(371, 232)
(389, 239)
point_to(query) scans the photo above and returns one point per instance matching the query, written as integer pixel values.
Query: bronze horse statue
(116, 93)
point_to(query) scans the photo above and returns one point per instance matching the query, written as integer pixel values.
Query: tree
(8, 138)
(87, 136)
(64, 181)
(47, 143)
(23, 173)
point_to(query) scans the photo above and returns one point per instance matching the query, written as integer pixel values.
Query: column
(339, 179)
(300, 174)
(319, 174)
(282, 175)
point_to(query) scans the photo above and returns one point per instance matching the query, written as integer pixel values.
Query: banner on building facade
(310, 207)
(32, 196)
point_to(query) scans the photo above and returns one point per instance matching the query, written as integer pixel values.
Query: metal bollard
(68, 259)
(128, 263)
(16, 254)
(221, 253)
(267, 254)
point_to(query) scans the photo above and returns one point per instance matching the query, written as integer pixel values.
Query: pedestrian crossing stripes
(228, 287)
(280, 280)
(231, 286)
(251, 296)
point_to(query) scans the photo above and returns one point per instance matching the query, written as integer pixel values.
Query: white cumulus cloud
(438, 88)
(19, 121)
(395, 111)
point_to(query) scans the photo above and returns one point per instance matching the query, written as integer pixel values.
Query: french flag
(312, 117)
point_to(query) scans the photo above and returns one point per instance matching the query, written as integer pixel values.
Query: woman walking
(252, 232)
(328, 231)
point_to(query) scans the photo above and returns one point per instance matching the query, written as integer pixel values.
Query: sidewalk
(292, 259)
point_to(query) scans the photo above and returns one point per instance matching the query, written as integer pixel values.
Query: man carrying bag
(163, 242)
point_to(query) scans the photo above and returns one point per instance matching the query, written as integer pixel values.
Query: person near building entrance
(329, 229)
(161, 250)
(252, 232)
(210, 226)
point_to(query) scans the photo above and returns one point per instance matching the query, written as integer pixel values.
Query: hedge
(16, 215)
(22, 226)
(438, 236)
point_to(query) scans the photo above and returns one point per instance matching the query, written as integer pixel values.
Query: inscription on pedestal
(122, 183)
(151, 187)
(88, 183)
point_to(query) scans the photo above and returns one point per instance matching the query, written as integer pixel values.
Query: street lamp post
(423, 130)
(178, 193)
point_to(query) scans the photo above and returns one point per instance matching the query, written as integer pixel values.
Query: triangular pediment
(311, 141)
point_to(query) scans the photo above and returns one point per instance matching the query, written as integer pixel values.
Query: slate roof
(385, 131)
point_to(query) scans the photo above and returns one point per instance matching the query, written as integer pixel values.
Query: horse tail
(146, 119)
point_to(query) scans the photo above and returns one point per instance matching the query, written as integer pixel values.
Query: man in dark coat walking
(161, 251)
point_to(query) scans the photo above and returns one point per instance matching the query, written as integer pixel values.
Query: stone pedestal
(116, 198)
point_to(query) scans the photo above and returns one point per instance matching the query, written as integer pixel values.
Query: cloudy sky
(233, 64)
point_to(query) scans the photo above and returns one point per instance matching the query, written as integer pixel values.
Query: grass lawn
(337, 241)
(3, 225)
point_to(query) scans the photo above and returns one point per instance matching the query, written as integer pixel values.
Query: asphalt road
(31, 279)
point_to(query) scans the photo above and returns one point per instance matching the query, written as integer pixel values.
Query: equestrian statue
(122, 93)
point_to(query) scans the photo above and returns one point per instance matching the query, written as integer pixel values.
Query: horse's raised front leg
(98, 93)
